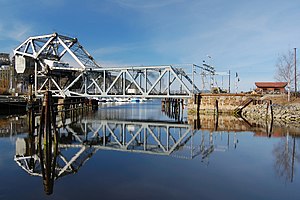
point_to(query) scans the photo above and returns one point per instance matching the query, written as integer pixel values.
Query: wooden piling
(48, 143)
(30, 111)
(217, 107)
(94, 103)
(198, 103)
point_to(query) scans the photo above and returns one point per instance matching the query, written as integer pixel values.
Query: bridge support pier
(173, 107)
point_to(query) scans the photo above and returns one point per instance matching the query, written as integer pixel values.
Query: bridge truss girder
(64, 67)
(146, 81)
(137, 81)
(55, 47)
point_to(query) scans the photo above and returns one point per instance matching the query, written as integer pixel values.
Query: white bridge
(60, 64)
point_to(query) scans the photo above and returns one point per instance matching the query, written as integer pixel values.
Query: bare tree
(283, 159)
(285, 69)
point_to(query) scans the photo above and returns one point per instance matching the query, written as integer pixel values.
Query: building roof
(270, 84)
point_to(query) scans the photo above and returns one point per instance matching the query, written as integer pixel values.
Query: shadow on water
(75, 140)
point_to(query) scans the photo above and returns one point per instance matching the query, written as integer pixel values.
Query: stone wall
(224, 103)
(282, 115)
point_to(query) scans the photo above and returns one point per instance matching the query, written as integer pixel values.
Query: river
(135, 151)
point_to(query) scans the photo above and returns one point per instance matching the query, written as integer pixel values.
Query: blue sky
(241, 35)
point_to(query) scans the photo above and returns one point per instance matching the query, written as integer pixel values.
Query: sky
(245, 37)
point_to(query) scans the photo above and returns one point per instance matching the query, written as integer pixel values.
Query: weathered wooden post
(163, 104)
(94, 104)
(217, 107)
(198, 103)
(270, 130)
(216, 116)
(61, 110)
(30, 107)
(167, 107)
(271, 109)
(48, 144)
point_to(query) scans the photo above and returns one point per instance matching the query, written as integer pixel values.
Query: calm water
(146, 155)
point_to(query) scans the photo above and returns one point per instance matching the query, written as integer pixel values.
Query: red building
(271, 87)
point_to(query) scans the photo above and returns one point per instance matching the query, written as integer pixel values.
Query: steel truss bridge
(61, 64)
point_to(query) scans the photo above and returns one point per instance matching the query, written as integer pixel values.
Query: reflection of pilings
(31, 118)
(173, 108)
(216, 121)
(48, 143)
(30, 111)
(269, 116)
(198, 102)
(197, 124)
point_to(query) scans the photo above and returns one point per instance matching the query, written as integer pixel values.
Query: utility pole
(295, 51)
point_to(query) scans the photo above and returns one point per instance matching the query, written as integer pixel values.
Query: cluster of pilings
(173, 108)
(49, 110)
(47, 142)
(71, 108)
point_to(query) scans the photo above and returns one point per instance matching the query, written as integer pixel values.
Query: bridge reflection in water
(79, 141)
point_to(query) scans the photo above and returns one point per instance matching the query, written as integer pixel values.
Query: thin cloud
(122, 49)
(110, 50)
(12, 34)
(241, 35)
(138, 4)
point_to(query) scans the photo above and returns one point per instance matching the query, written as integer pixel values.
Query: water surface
(146, 155)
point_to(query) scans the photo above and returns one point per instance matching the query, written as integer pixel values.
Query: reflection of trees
(298, 149)
(285, 157)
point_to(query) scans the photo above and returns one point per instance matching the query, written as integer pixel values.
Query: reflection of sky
(242, 173)
(139, 111)
(6, 151)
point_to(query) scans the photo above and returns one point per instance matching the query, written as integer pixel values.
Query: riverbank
(218, 103)
(253, 108)
(275, 107)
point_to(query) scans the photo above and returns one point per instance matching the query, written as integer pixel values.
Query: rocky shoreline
(283, 115)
